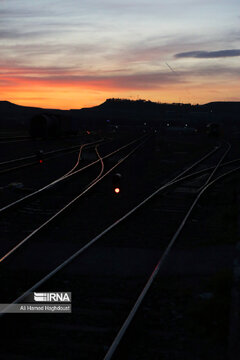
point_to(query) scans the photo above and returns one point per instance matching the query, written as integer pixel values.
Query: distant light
(186, 125)
(88, 132)
(117, 190)
(40, 161)
(168, 124)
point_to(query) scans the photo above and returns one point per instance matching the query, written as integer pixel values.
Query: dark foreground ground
(191, 312)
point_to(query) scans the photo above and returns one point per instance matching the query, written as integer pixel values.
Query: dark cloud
(208, 54)
(135, 81)
(158, 48)
(68, 76)
(214, 71)
(13, 74)
(25, 53)
(8, 12)
(15, 34)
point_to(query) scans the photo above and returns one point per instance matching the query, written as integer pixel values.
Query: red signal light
(40, 161)
(117, 190)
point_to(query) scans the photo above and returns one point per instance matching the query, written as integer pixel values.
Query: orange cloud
(67, 88)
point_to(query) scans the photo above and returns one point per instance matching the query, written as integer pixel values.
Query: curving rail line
(92, 183)
(56, 153)
(142, 295)
(170, 183)
(66, 176)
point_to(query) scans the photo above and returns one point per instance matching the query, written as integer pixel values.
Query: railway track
(196, 189)
(126, 343)
(70, 173)
(31, 160)
(13, 139)
(16, 139)
(36, 211)
(103, 300)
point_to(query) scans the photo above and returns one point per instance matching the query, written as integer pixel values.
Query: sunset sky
(74, 54)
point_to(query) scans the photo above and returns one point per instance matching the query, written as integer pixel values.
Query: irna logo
(52, 297)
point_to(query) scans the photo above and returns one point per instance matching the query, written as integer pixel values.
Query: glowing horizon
(74, 55)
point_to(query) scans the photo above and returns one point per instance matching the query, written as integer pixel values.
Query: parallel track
(56, 214)
(198, 181)
(48, 155)
(68, 175)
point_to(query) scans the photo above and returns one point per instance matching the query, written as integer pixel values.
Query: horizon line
(134, 100)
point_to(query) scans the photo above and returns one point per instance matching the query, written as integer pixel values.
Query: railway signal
(39, 156)
(116, 181)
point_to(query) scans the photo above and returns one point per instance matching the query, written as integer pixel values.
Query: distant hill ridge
(4, 104)
(123, 111)
(17, 116)
(115, 102)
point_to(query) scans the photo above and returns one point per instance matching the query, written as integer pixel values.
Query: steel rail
(35, 162)
(47, 222)
(64, 177)
(218, 164)
(12, 141)
(26, 158)
(198, 162)
(77, 162)
(45, 153)
(94, 240)
(102, 165)
(18, 137)
(143, 293)
(200, 172)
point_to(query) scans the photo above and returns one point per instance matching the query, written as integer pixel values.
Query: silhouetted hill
(137, 112)
(8, 107)
(125, 112)
(128, 112)
(224, 106)
(137, 106)
(17, 116)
